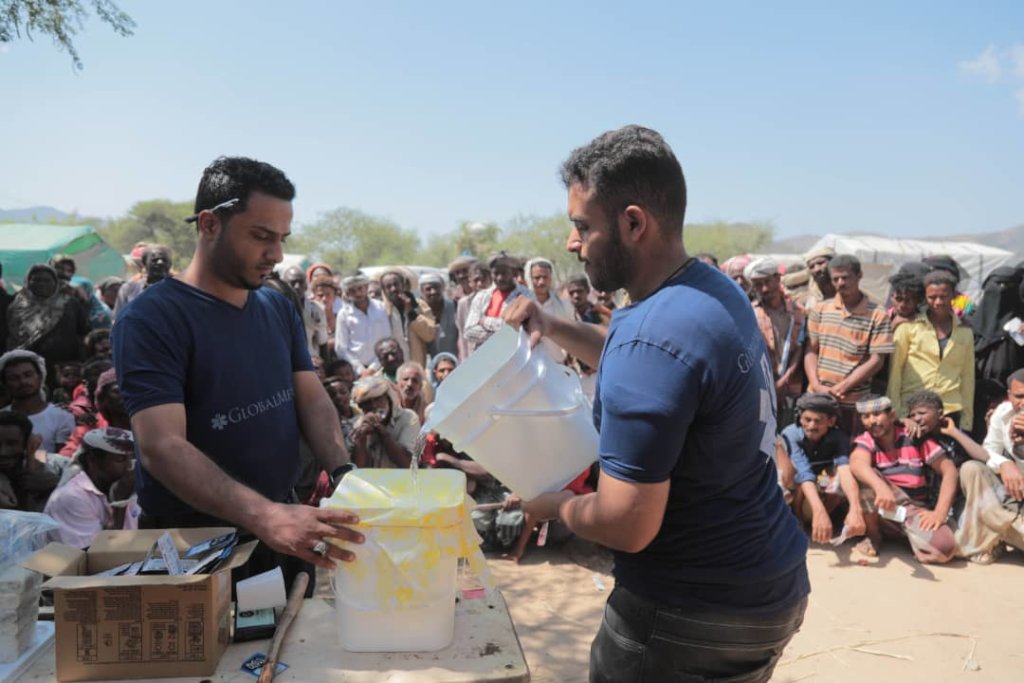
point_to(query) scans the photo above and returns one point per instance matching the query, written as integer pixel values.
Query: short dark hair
(940, 277)
(631, 165)
(706, 256)
(578, 279)
(148, 252)
(18, 361)
(94, 338)
(924, 398)
(9, 418)
(92, 370)
(230, 178)
(331, 368)
(382, 341)
(1015, 376)
(907, 282)
(480, 267)
(845, 262)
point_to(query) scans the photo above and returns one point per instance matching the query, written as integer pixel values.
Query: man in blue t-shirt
(710, 570)
(218, 381)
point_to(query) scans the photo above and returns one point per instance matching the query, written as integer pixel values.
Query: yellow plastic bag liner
(409, 527)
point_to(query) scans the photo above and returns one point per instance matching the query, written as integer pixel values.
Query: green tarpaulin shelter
(24, 244)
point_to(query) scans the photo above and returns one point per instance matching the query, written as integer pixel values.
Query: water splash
(417, 454)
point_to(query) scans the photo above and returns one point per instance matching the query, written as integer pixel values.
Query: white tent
(880, 257)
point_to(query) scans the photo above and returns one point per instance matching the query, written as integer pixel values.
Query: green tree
(529, 236)
(724, 239)
(59, 19)
(348, 239)
(155, 221)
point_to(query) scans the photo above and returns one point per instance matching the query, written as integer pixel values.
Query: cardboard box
(149, 626)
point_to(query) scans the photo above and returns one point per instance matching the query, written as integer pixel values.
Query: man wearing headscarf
(81, 506)
(156, 265)
(820, 287)
(814, 462)
(108, 288)
(733, 267)
(780, 322)
(405, 310)
(361, 323)
(795, 284)
(484, 316)
(385, 435)
(442, 311)
(314, 318)
(458, 272)
(44, 319)
(24, 374)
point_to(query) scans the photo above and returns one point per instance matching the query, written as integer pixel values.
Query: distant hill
(34, 214)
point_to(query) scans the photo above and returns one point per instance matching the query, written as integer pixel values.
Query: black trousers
(639, 641)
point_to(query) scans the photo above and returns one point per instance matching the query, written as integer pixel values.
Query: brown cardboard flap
(240, 555)
(57, 559)
(76, 582)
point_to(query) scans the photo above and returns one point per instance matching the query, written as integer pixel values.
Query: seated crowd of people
(900, 419)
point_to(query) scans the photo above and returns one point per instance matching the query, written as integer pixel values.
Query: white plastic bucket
(399, 593)
(518, 413)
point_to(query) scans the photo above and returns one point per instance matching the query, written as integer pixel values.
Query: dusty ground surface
(897, 620)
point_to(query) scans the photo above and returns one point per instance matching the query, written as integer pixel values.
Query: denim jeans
(639, 641)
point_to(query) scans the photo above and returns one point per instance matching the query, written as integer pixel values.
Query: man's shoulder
(1003, 411)
(55, 412)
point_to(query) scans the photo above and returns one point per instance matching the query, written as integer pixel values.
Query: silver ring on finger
(320, 548)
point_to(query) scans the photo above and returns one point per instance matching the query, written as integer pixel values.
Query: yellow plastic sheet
(410, 525)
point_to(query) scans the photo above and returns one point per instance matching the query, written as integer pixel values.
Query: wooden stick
(295, 600)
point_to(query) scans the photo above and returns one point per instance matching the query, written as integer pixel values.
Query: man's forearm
(970, 446)
(811, 495)
(198, 481)
(947, 489)
(865, 371)
(322, 429)
(811, 367)
(582, 340)
(851, 489)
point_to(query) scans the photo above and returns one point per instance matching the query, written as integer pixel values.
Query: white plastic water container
(518, 413)
(399, 593)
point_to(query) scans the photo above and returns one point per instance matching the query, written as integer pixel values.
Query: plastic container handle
(554, 412)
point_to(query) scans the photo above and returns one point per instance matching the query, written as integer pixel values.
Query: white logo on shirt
(240, 414)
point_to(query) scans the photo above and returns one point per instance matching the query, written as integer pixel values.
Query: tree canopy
(59, 19)
(154, 221)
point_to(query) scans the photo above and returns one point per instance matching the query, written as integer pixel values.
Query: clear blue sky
(900, 118)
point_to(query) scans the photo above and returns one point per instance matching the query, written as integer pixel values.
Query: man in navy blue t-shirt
(710, 571)
(217, 378)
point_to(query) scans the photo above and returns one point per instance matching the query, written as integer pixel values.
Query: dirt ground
(897, 620)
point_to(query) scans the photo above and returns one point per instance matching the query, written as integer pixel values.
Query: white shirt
(356, 333)
(54, 425)
(998, 440)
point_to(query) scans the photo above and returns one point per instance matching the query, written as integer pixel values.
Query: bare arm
(947, 489)
(165, 452)
(860, 464)
(811, 366)
(970, 446)
(621, 515)
(861, 374)
(319, 421)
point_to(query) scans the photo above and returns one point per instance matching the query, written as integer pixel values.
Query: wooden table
(486, 649)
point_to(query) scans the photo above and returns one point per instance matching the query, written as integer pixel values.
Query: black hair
(382, 341)
(480, 267)
(94, 338)
(230, 178)
(147, 253)
(9, 418)
(578, 279)
(924, 398)
(1015, 376)
(631, 165)
(940, 277)
(706, 256)
(331, 368)
(907, 282)
(91, 371)
(275, 283)
(845, 262)
(18, 361)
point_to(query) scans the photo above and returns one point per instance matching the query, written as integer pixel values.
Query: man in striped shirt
(848, 338)
(891, 469)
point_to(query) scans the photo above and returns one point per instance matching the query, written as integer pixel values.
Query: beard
(230, 267)
(615, 268)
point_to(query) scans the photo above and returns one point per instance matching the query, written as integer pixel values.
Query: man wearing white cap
(440, 310)
(780, 321)
(361, 323)
(820, 288)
